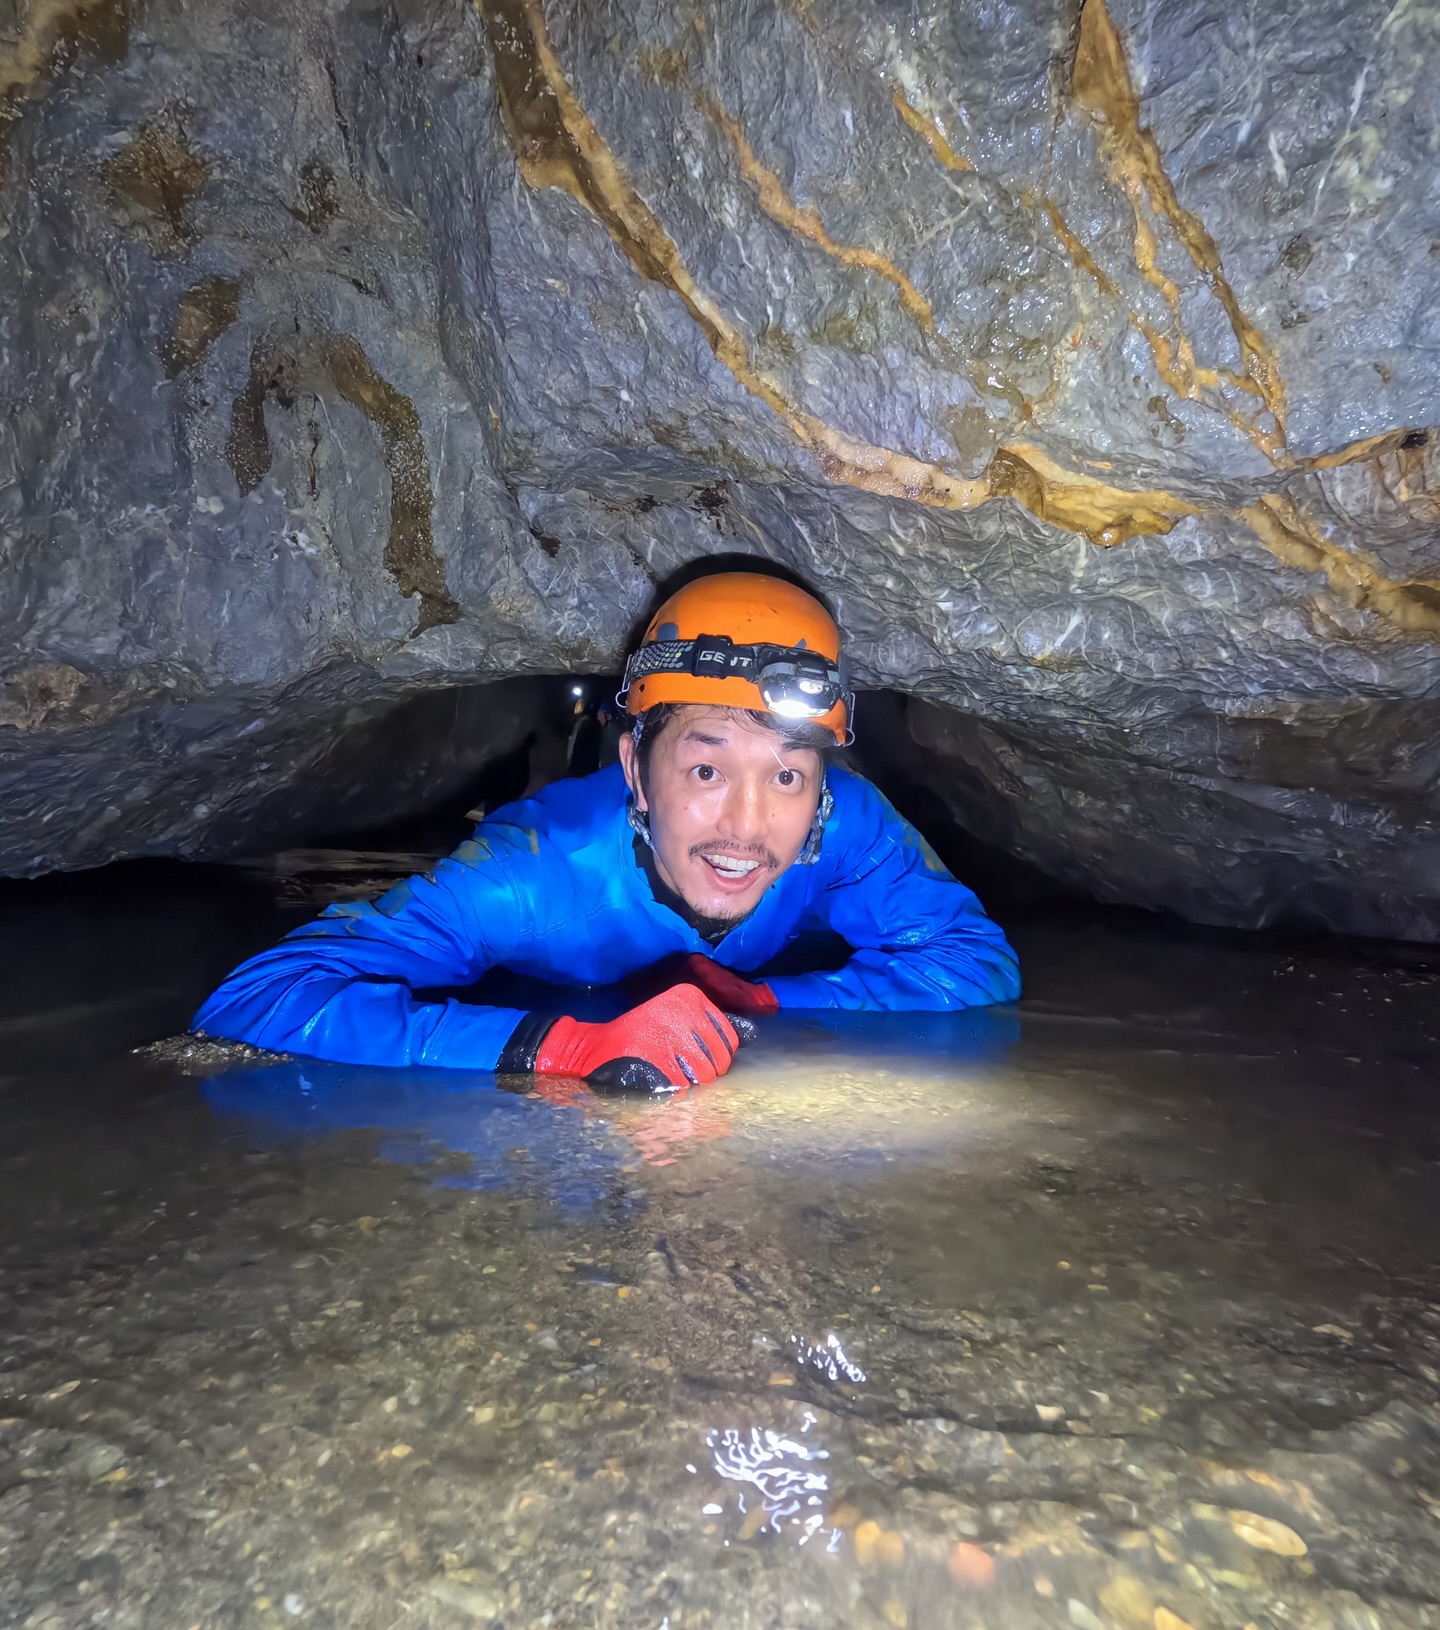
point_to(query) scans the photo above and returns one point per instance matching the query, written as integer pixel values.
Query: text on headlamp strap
(714, 655)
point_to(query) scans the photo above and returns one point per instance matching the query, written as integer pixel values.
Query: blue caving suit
(550, 887)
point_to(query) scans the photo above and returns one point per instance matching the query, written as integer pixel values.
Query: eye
(705, 772)
(788, 778)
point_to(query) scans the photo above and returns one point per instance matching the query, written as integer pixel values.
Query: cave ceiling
(1084, 355)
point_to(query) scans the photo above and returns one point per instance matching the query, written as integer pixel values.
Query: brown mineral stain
(341, 362)
(319, 195)
(33, 696)
(410, 556)
(44, 37)
(1412, 606)
(247, 447)
(1101, 85)
(157, 178)
(205, 312)
(46, 29)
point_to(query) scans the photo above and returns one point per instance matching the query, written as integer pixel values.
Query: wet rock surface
(1123, 1314)
(1084, 354)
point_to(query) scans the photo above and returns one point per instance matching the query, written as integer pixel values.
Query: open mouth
(731, 869)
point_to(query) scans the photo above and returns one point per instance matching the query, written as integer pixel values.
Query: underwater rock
(1083, 355)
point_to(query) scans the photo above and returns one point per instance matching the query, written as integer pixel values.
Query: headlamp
(793, 684)
(798, 684)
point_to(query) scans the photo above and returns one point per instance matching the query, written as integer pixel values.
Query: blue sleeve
(341, 987)
(921, 940)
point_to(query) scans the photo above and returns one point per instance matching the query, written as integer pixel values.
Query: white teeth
(729, 866)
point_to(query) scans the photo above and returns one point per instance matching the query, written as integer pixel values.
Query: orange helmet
(742, 639)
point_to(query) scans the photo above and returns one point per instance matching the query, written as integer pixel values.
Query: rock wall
(1085, 354)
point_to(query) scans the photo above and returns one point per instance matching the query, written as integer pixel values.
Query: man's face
(730, 806)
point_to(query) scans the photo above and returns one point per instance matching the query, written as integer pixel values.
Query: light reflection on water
(782, 1472)
(874, 1082)
(828, 1359)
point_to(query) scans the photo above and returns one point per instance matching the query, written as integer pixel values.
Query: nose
(743, 817)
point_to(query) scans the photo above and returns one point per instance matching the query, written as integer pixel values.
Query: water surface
(1119, 1309)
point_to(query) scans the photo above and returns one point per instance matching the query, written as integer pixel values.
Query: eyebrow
(694, 734)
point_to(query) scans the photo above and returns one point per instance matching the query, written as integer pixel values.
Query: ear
(631, 768)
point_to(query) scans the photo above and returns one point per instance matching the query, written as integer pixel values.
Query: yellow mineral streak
(1357, 452)
(1102, 86)
(1082, 503)
(1295, 540)
(1070, 242)
(558, 145)
(1174, 358)
(925, 127)
(783, 210)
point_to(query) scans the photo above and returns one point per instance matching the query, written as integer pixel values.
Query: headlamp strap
(717, 655)
(713, 656)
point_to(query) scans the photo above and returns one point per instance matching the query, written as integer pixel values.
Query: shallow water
(1121, 1310)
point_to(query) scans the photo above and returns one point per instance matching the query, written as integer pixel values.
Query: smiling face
(730, 803)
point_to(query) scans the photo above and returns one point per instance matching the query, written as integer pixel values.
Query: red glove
(727, 990)
(672, 1039)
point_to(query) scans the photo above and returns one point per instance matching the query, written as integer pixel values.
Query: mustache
(766, 857)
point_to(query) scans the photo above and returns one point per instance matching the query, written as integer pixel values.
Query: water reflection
(565, 1140)
(781, 1472)
(827, 1359)
(426, 1118)
(1146, 1309)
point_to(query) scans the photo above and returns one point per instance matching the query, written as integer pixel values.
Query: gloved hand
(727, 989)
(674, 1038)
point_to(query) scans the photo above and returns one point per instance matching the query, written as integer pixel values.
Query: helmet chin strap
(639, 821)
(823, 811)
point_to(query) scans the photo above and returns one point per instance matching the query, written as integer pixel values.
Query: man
(723, 833)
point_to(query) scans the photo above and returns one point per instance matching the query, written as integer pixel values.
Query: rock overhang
(358, 354)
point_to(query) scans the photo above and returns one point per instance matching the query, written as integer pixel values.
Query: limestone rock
(1083, 353)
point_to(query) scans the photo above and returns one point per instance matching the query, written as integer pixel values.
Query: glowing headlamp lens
(799, 687)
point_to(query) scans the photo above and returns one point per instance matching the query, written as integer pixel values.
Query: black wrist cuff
(521, 1051)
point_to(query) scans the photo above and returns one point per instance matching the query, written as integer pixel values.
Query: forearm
(352, 1019)
(927, 981)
